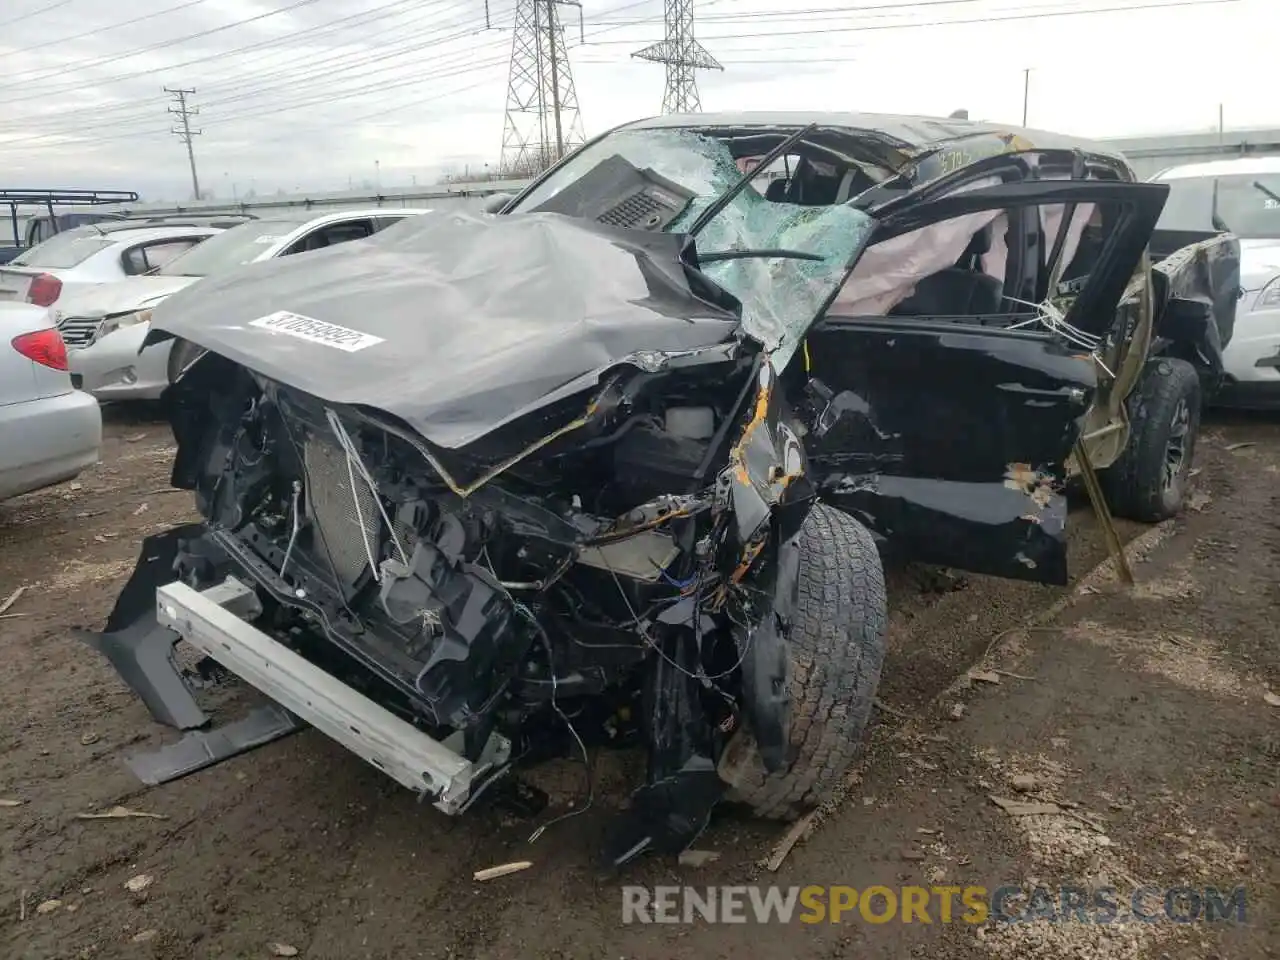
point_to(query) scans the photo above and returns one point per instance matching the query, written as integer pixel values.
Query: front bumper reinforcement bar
(406, 754)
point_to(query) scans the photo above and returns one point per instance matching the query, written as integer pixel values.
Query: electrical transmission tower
(185, 133)
(682, 54)
(542, 123)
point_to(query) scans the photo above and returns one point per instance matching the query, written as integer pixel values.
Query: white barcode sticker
(315, 331)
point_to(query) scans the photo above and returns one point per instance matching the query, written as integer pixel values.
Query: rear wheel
(837, 649)
(182, 354)
(1149, 481)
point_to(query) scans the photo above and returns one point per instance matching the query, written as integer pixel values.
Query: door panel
(949, 440)
(944, 430)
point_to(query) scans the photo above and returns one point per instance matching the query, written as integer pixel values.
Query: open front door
(950, 406)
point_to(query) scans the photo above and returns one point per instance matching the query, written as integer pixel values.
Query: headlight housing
(1270, 296)
(123, 320)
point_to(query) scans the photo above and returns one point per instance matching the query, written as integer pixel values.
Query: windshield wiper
(716, 256)
(726, 198)
(1215, 218)
(1267, 192)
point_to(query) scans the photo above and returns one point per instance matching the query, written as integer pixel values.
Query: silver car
(49, 431)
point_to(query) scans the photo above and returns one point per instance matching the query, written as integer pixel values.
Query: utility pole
(1026, 93)
(553, 25)
(682, 54)
(186, 133)
(542, 121)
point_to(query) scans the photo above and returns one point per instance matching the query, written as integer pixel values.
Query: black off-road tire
(837, 650)
(181, 355)
(1149, 481)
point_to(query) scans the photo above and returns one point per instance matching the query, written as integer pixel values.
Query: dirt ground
(1149, 716)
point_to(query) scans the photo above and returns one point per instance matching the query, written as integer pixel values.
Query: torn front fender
(770, 494)
(1196, 291)
(767, 465)
(763, 647)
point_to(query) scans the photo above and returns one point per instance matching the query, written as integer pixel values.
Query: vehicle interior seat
(960, 290)
(809, 187)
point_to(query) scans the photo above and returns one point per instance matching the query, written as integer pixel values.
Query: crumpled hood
(458, 322)
(123, 296)
(1259, 263)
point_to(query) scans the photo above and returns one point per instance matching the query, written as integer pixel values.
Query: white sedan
(95, 254)
(105, 327)
(49, 432)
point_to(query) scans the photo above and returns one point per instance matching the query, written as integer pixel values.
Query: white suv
(1242, 197)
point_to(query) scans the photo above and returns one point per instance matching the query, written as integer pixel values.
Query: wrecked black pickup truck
(616, 464)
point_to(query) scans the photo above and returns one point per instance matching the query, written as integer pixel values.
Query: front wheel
(836, 645)
(1149, 481)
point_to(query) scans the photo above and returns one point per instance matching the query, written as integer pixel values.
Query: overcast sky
(320, 94)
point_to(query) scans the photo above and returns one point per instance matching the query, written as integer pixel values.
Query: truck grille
(344, 532)
(78, 331)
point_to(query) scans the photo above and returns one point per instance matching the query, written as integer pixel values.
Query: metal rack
(49, 199)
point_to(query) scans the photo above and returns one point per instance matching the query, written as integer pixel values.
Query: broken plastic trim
(764, 462)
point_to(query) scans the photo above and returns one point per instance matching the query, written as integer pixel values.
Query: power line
(77, 65)
(186, 133)
(114, 26)
(682, 55)
(862, 28)
(259, 46)
(327, 69)
(294, 104)
(98, 111)
(321, 100)
(860, 9)
(394, 110)
(34, 13)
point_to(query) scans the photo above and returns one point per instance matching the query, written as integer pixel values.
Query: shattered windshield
(780, 297)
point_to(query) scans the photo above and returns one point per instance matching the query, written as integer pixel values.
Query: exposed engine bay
(516, 605)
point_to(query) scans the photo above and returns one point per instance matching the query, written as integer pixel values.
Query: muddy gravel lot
(1144, 721)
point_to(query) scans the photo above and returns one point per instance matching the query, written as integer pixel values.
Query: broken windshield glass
(780, 296)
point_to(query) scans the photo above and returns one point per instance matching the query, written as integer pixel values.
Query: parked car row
(75, 310)
(105, 325)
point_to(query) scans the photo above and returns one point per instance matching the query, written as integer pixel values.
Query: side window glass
(134, 261)
(381, 223)
(147, 257)
(330, 234)
(308, 241)
(158, 254)
(350, 230)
